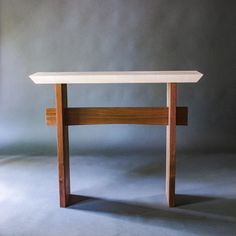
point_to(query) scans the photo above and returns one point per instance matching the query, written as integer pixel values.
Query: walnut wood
(118, 115)
(171, 145)
(62, 144)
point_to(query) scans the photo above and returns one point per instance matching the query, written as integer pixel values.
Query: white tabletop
(113, 77)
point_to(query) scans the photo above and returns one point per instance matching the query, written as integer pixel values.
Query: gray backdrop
(93, 35)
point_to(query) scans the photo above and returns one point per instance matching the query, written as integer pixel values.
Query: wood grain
(62, 144)
(171, 145)
(118, 115)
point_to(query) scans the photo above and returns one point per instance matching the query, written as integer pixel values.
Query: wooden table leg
(171, 145)
(62, 145)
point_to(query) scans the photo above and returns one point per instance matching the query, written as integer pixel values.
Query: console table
(63, 116)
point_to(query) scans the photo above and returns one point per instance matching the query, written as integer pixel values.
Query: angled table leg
(171, 144)
(62, 145)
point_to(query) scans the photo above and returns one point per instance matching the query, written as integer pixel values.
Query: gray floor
(125, 193)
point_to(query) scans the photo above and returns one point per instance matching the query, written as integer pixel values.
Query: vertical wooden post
(171, 145)
(62, 145)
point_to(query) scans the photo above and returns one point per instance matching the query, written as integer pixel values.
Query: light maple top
(113, 77)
